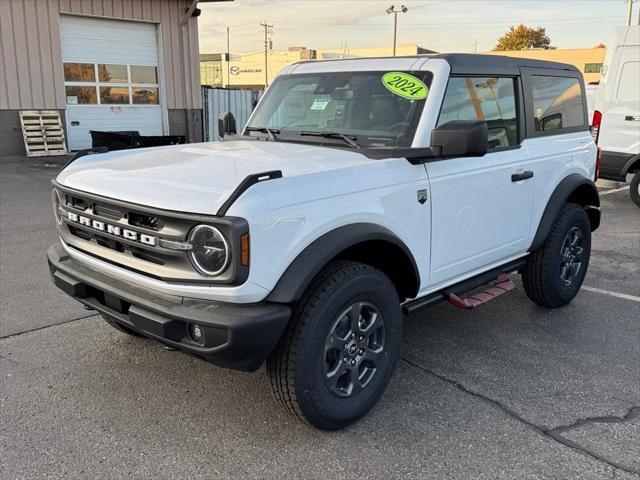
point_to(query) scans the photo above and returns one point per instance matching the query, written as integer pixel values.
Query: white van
(616, 118)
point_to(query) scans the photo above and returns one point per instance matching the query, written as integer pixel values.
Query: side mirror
(226, 124)
(461, 138)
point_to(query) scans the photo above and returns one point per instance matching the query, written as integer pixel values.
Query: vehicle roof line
(467, 62)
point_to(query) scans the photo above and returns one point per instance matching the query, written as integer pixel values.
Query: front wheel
(555, 271)
(634, 188)
(339, 351)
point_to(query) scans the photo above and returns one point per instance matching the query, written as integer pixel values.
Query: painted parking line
(624, 296)
(614, 190)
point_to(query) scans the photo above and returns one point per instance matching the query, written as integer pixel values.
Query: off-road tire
(542, 275)
(634, 188)
(120, 328)
(296, 368)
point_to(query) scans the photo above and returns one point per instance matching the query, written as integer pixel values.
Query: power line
(493, 22)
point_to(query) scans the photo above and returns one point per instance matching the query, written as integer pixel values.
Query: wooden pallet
(42, 133)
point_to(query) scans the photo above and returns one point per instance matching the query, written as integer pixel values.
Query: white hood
(196, 178)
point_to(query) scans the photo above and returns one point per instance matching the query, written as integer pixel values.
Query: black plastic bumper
(614, 165)
(235, 336)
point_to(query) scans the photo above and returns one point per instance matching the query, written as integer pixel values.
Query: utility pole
(392, 10)
(228, 59)
(475, 46)
(228, 70)
(629, 11)
(267, 29)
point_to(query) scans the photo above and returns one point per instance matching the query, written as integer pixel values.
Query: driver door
(481, 212)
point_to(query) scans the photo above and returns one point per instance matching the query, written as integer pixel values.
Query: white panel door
(111, 77)
(620, 129)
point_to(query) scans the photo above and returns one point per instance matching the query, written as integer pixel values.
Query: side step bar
(453, 292)
(502, 286)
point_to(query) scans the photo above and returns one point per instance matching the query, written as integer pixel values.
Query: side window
(492, 99)
(592, 67)
(557, 103)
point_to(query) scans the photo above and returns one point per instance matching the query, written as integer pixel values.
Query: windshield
(371, 108)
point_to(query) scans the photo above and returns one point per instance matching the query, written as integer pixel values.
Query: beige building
(247, 70)
(103, 65)
(587, 60)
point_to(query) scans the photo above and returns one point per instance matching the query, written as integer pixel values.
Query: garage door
(111, 77)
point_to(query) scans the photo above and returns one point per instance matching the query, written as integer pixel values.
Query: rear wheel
(634, 188)
(555, 272)
(340, 348)
(120, 328)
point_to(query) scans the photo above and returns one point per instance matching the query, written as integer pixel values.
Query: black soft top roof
(473, 63)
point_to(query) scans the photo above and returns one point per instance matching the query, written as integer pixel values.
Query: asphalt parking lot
(509, 390)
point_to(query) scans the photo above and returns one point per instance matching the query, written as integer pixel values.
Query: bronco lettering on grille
(112, 229)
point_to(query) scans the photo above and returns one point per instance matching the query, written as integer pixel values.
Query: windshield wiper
(271, 132)
(351, 140)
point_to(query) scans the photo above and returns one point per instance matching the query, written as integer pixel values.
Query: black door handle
(516, 177)
(631, 118)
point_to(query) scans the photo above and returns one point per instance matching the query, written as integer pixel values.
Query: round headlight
(57, 205)
(210, 252)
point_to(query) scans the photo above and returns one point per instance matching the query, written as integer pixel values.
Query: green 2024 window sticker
(405, 85)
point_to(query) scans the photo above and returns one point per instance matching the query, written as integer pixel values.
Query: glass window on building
(81, 95)
(144, 74)
(211, 74)
(592, 67)
(115, 84)
(113, 73)
(114, 95)
(79, 72)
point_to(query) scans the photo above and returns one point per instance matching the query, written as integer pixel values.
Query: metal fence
(217, 101)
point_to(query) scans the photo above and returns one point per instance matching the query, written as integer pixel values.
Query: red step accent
(502, 286)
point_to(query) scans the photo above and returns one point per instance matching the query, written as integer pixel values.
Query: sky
(441, 25)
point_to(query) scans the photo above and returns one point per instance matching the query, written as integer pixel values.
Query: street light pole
(392, 10)
(629, 11)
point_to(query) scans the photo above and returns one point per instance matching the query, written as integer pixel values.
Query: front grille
(149, 258)
(108, 212)
(150, 222)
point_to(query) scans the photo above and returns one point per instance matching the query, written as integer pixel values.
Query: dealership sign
(236, 70)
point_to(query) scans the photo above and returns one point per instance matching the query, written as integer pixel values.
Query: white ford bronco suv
(360, 190)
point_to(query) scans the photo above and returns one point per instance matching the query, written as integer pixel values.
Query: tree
(600, 45)
(522, 38)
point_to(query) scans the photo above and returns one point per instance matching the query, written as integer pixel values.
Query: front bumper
(236, 336)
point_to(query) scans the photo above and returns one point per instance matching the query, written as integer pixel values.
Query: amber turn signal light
(244, 250)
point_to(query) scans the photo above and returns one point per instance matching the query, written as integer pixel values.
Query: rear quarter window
(557, 103)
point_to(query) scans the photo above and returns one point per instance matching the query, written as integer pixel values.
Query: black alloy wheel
(571, 252)
(354, 349)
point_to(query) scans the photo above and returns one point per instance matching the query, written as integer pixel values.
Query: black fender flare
(629, 163)
(575, 188)
(306, 266)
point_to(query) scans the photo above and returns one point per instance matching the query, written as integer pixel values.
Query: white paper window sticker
(320, 103)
